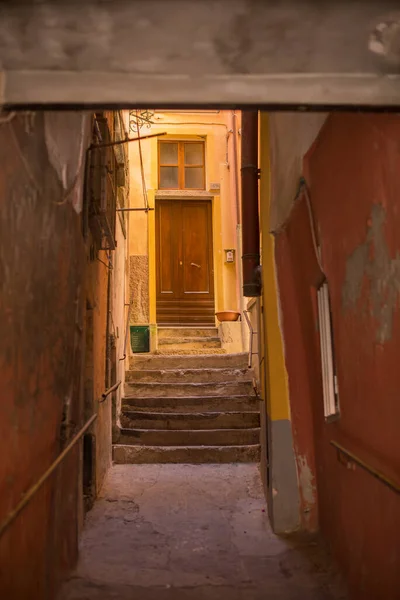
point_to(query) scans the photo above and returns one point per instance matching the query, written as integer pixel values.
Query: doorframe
(197, 195)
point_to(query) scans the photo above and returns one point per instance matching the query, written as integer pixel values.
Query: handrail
(252, 333)
(374, 472)
(128, 318)
(32, 491)
(113, 388)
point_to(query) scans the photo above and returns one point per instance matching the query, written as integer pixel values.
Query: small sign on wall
(215, 187)
(229, 255)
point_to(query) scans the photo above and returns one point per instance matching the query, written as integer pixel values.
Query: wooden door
(185, 282)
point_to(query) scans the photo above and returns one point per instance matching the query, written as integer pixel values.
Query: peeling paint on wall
(307, 482)
(371, 265)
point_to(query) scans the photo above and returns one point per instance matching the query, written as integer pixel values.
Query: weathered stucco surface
(96, 294)
(139, 288)
(307, 483)
(296, 268)
(352, 173)
(226, 51)
(223, 37)
(120, 315)
(371, 266)
(284, 497)
(42, 304)
(230, 334)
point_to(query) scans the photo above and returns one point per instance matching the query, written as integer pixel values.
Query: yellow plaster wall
(274, 380)
(213, 127)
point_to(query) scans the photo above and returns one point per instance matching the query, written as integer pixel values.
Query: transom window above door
(181, 166)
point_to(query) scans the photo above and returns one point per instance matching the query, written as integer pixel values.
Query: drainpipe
(235, 166)
(235, 202)
(250, 219)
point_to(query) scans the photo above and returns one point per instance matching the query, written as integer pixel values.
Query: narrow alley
(199, 300)
(180, 532)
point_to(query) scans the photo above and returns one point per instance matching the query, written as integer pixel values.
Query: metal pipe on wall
(235, 165)
(250, 218)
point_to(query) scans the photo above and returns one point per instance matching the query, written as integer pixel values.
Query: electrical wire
(317, 247)
(304, 189)
(105, 264)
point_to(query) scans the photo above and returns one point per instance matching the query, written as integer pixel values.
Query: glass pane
(168, 154)
(168, 177)
(194, 178)
(193, 154)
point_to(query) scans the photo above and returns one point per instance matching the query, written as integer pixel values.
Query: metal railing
(371, 470)
(127, 329)
(36, 487)
(252, 334)
(110, 390)
(12, 515)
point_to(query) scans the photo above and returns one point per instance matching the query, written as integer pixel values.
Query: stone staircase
(189, 408)
(189, 340)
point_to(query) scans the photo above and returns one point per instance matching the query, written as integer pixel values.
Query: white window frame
(329, 376)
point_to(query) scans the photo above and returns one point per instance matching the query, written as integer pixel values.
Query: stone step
(127, 454)
(165, 390)
(187, 332)
(189, 437)
(188, 351)
(194, 343)
(207, 341)
(192, 404)
(191, 375)
(148, 361)
(131, 419)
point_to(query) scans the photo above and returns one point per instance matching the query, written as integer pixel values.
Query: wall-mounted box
(229, 255)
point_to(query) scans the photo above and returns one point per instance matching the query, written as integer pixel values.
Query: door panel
(185, 283)
(195, 248)
(168, 273)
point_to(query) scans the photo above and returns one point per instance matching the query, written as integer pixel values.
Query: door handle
(195, 265)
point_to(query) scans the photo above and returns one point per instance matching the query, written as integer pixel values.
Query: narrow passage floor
(201, 532)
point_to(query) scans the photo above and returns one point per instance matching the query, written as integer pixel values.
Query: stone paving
(193, 532)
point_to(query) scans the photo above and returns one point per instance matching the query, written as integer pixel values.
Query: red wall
(41, 322)
(96, 293)
(353, 173)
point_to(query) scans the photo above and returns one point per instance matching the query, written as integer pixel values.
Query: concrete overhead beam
(200, 52)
